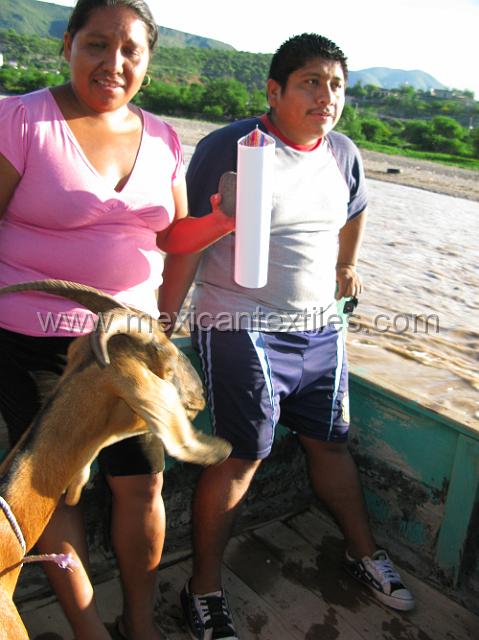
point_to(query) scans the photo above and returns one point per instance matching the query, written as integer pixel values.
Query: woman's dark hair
(83, 8)
(297, 51)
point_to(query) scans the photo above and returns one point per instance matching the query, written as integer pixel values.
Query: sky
(435, 36)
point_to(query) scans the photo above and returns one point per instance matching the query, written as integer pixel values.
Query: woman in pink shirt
(91, 189)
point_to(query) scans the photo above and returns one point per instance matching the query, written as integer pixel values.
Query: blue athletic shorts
(255, 379)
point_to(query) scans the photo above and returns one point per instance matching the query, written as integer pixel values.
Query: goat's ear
(166, 356)
(158, 403)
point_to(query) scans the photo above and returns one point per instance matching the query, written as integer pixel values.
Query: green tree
(231, 95)
(257, 103)
(447, 127)
(192, 98)
(350, 123)
(375, 130)
(453, 146)
(419, 133)
(357, 90)
(475, 141)
(161, 97)
(215, 112)
(30, 79)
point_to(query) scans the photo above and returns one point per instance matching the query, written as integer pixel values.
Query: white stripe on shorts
(337, 375)
(205, 358)
(257, 339)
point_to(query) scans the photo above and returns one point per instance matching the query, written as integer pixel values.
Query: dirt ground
(423, 174)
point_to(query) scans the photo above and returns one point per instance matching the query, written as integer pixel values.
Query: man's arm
(350, 240)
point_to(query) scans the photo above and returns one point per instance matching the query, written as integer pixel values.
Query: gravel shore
(423, 174)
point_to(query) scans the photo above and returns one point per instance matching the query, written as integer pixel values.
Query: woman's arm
(189, 235)
(9, 178)
(180, 267)
(178, 274)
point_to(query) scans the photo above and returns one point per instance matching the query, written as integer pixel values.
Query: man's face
(311, 103)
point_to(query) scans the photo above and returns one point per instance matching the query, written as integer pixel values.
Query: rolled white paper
(254, 198)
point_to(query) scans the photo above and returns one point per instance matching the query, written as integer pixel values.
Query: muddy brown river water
(417, 324)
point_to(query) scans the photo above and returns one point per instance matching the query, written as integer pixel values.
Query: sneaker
(378, 573)
(208, 616)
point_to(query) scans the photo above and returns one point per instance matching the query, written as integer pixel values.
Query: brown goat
(125, 379)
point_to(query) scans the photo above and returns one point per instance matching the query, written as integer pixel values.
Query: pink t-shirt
(65, 221)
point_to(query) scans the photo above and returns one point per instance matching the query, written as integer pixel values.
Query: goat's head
(162, 372)
(158, 353)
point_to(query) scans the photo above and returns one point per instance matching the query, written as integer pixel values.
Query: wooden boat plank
(436, 615)
(300, 610)
(252, 615)
(319, 569)
(254, 618)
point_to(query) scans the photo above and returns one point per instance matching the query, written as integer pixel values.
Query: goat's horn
(119, 321)
(98, 302)
(93, 299)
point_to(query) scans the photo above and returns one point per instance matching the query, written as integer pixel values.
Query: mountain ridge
(389, 78)
(30, 17)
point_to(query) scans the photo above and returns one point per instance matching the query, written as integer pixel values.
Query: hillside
(29, 17)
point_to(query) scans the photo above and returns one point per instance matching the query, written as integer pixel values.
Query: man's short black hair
(298, 50)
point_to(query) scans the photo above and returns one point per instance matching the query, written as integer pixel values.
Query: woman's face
(108, 58)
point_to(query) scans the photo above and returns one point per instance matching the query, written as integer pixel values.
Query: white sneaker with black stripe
(379, 574)
(207, 616)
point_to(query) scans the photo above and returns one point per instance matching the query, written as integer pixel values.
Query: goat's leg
(11, 625)
(79, 480)
(75, 487)
(158, 403)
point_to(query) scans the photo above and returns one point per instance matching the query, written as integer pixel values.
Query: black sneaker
(207, 616)
(379, 574)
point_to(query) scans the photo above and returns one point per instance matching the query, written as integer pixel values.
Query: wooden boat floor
(284, 580)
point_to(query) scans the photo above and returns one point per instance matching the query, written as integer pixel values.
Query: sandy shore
(423, 174)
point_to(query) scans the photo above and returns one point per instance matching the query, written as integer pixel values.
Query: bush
(475, 142)
(447, 127)
(215, 112)
(350, 124)
(419, 134)
(375, 130)
(452, 146)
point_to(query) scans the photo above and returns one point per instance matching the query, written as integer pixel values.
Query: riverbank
(422, 174)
